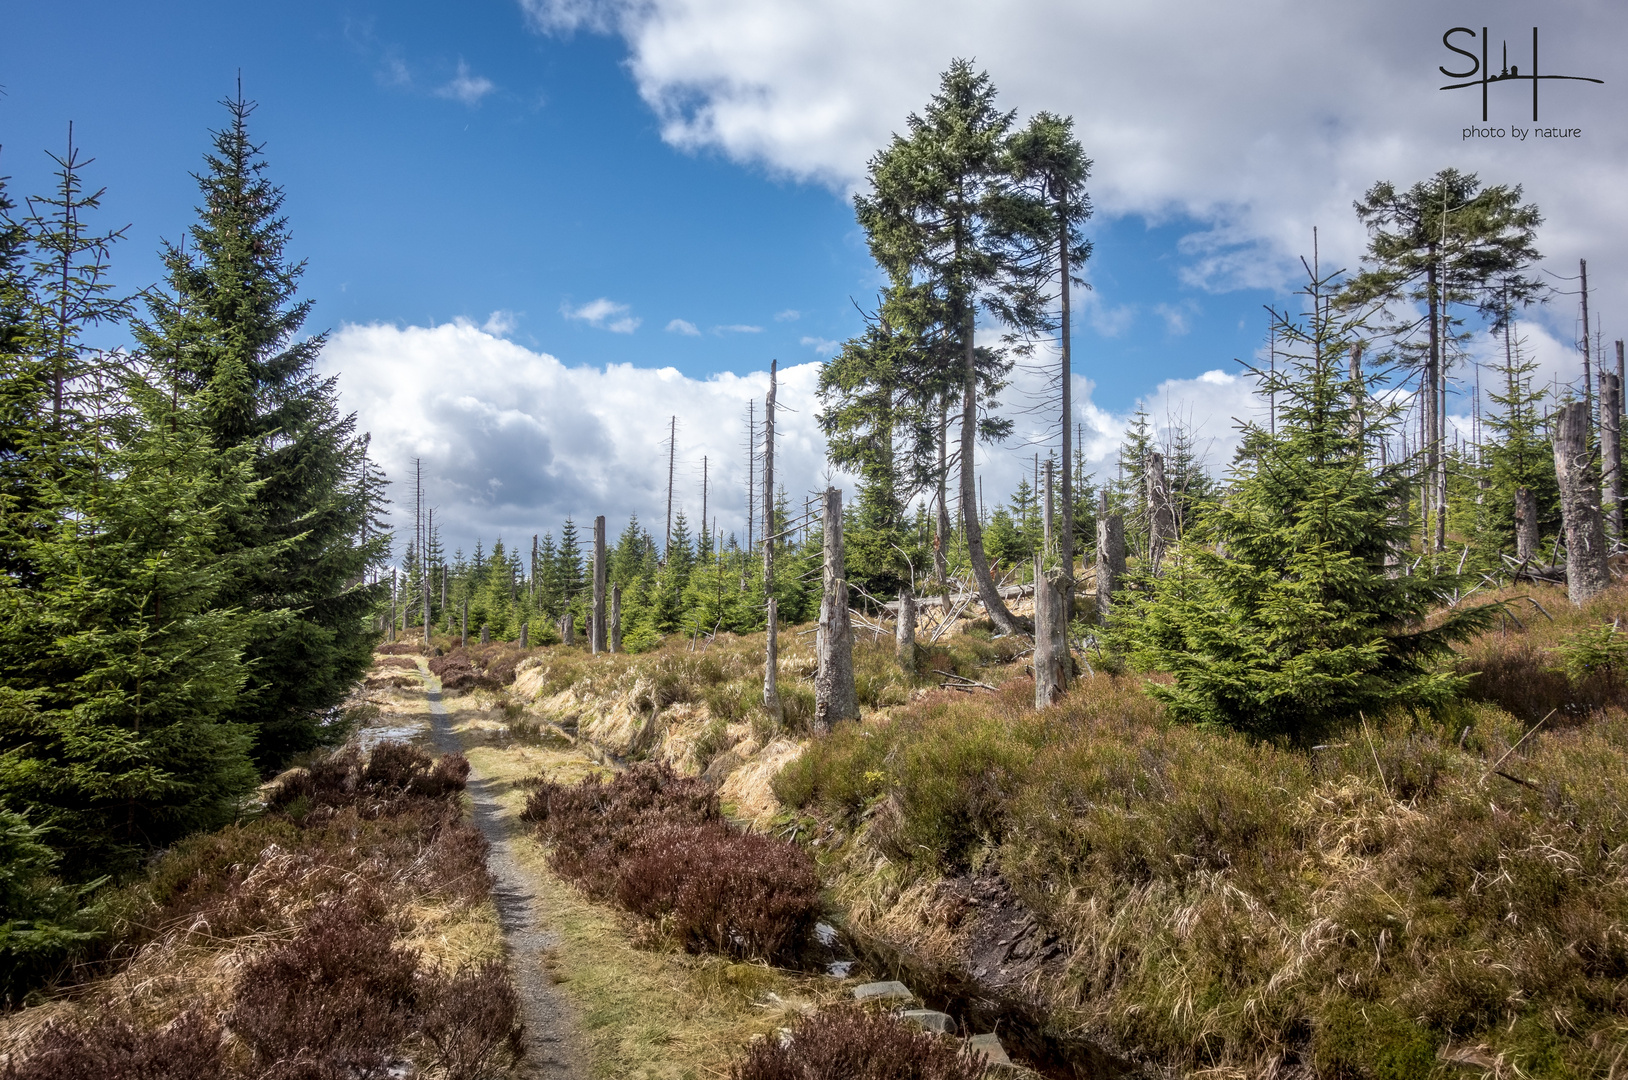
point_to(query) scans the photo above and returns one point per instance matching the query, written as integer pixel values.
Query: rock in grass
(930, 1019)
(883, 991)
(990, 1047)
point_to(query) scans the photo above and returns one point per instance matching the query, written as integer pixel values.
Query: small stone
(881, 991)
(930, 1019)
(990, 1047)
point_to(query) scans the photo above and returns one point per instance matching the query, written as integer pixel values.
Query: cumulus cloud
(466, 87)
(514, 440)
(501, 323)
(605, 315)
(683, 326)
(1260, 120)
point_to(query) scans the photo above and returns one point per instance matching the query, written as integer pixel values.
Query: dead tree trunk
(616, 619)
(1611, 454)
(485, 634)
(771, 664)
(392, 604)
(904, 634)
(463, 626)
(1586, 572)
(1161, 515)
(596, 632)
(1046, 509)
(972, 528)
(1051, 659)
(525, 635)
(834, 695)
(1110, 555)
(1526, 524)
(941, 534)
(568, 629)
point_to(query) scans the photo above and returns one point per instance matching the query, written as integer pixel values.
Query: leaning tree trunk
(834, 695)
(904, 645)
(1051, 659)
(1110, 555)
(596, 632)
(1526, 524)
(1586, 571)
(987, 590)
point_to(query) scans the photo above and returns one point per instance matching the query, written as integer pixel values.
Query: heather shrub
(470, 1023)
(336, 1000)
(719, 890)
(111, 1048)
(457, 671)
(855, 1044)
(401, 648)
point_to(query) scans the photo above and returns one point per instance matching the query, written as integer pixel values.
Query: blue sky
(506, 205)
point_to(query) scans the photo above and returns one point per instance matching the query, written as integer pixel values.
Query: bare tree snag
(941, 527)
(616, 619)
(1586, 572)
(904, 632)
(568, 629)
(1161, 515)
(596, 632)
(1110, 555)
(672, 455)
(1046, 510)
(1051, 660)
(525, 635)
(771, 664)
(834, 695)
(1526, 524)
(485, 634)
(463, 627)
(1611, 454)
(392, 603)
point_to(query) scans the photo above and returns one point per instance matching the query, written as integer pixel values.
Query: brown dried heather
(337, 999)
(725, 891)
(471, 1023)
(457, 671)
(852, 1044)
(110, 1048)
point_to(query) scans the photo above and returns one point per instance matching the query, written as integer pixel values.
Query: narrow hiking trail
(553, 1048)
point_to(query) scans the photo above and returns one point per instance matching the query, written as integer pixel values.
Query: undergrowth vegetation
(1420, 887)
(655, 843)
(856, 1044)
(293, 945)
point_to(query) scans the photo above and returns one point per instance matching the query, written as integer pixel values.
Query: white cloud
(605, 315)
(683, 326)
(823, 346)
(737, 328)
(466, 87)
(1260, 119)
(1176, 316)
(789, 315)
(501, 323)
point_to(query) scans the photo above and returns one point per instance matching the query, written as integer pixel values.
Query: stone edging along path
(553, 1051)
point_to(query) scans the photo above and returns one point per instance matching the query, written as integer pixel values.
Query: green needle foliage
(1278, 616)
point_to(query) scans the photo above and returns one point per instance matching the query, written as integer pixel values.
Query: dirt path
(553, 1050)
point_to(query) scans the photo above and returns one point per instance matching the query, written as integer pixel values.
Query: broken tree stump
(525, 635)
(771, 663)
(1161, 514)
(834, 695)
(1110, 555)
(463, 627)
(1052, 664)
(596, 630)
(616, 619)
(1526, 524)
(1586, 570)
(1611, 454)
(904, 633)
(485, 634)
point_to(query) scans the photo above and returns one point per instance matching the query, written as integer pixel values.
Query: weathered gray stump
(771, 663)
(1161, 514)
(1110, 555)
(834, 695)
(1046, 520)
(904, 633)
(463, 627)
(568, 629)
(1586, 571)
(1611, 454)
(1052, 664)
(596, 630)
(392, 605)
(485, 634)
(525, 635)
(616, 619)
(1526, 524)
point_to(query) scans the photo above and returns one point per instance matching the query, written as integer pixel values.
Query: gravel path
(552, 1050)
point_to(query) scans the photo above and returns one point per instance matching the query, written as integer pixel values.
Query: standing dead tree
(616, 619)
(1586, 570)
(1052, 664)
(596, 631)
(904, 633)
(1161, 514)
(835, 697)
(1110, 554)
(1611, 453)
(771, 692)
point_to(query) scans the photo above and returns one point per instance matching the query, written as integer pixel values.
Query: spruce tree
(228, 328)
(1298, 625)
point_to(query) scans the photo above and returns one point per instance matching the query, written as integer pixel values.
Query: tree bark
(525, 635)
(987, 592)
(771, 663)
(834, 695)
(1110, 555)
(941, 540)
(485, 634)
(568, 629)
(1046, 529)
(1526, 524)
(1161, 515)
(1052, 664)
(1066, 547)
(463, 627)
(904, 634)
(1611, 454)
(616, 619)
(768, 483)
(596, 632)
(1586, 571)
